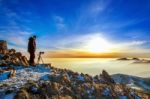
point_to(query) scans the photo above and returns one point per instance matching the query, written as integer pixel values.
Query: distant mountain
(124, 58)
(135, 60)
(132, 81)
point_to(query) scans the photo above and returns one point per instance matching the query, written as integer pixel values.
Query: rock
(66, 97)
(107, 77)
(136, 59)
(22, 94)
(24, 61)
(54, 88)
(7, 73)
(106, 92)
(123, 58)
(66, 90)
(1, 56)
(64, 79)
(18, 59)
(12, 74)
(6, 57)
(48, 65)
(34, 90)
(11, 51)
(54, 78)
(18, 54)
(3, 63)
(50, 88)
(3, 47)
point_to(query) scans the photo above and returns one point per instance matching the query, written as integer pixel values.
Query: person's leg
(33, 57)
(30, 61)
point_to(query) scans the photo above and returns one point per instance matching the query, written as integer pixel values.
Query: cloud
(131, 46)
(76, 45)
(89, 13)
(13, 30)
(72, 42)
(97, 6)
(17, 39)
(80, 42)
(59, 21)
(134, 43)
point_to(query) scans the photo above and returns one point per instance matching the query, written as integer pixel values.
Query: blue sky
(70, 24)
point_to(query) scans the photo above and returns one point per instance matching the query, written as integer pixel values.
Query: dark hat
(34, 36)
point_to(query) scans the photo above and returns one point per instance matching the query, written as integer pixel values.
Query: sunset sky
(78, 28)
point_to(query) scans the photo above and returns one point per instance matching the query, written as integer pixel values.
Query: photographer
(32, 49)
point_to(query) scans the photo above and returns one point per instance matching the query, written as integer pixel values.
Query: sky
(78, 28)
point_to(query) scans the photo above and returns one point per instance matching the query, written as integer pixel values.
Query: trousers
(32, 57)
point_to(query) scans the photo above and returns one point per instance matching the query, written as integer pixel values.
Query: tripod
(40, 58)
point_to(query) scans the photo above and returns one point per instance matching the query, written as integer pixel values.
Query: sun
(98, 45)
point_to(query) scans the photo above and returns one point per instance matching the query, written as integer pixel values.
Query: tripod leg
(42, 60)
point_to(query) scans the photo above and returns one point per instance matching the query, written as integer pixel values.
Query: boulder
(11, 51)
(54, 88)
(3, 47)
(18, 55)
(12, 74)
(6, 57)
(24, 61)
(22, 94)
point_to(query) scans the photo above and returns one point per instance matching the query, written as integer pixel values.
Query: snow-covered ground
(132, 81)
(22, 76)
(43, 72)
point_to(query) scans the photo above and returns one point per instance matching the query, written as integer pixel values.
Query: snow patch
(23, 75)
(5, 75)
(10, 96)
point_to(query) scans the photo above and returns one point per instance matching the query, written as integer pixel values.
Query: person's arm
(28, 46)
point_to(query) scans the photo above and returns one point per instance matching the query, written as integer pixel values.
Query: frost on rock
(23, 75)
(122, 97)
(9, 96)
(45, 77)
(106, 92)
(4, 75)
(81, 78)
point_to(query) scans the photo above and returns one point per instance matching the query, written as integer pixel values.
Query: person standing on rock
(32, 49)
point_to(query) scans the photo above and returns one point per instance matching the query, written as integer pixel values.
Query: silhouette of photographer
(32, 49)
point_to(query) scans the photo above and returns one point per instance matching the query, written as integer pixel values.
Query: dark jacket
(31, 45)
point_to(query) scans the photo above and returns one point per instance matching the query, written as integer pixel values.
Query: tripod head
(40, 53)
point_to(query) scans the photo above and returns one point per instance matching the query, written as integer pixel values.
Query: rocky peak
(10, 56)
(3, 47)
(107, 78)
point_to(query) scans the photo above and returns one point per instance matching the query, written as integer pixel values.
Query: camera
(41, 52)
